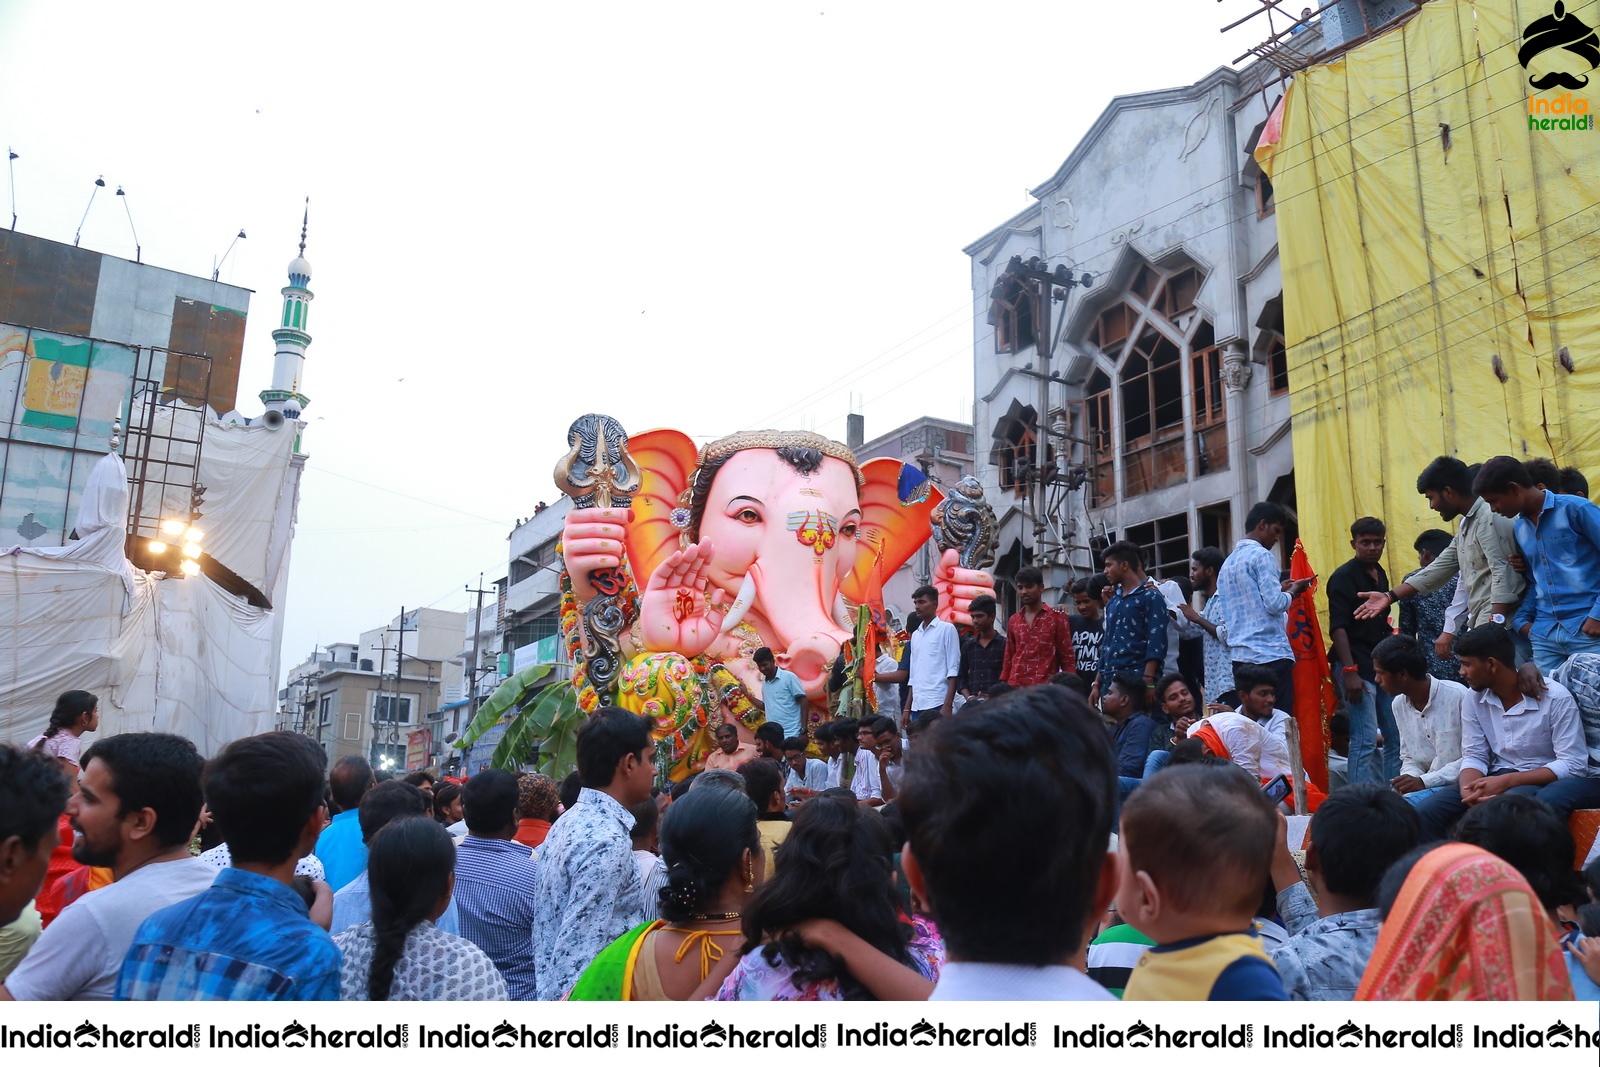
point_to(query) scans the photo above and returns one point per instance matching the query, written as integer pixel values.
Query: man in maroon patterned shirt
(1038, 638)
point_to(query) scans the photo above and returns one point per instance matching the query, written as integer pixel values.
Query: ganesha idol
(681, 562)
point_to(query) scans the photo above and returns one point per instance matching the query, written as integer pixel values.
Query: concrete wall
(1161, 179)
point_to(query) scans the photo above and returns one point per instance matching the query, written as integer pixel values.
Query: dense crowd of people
(1086, 804)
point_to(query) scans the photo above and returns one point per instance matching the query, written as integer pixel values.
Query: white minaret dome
(284, 401)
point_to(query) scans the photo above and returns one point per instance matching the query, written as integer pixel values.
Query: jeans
(1154, 762)
(1523, 645)
(1563, 796)
(1551, 648)
(1374, 713)
(1415, 799)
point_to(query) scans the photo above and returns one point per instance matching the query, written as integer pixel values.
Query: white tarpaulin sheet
(245, 471)
(179, 655)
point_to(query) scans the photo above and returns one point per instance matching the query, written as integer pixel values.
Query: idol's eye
(748, 516)
(849, 529)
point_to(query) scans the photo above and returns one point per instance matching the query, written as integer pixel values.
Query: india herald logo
(1566, 32)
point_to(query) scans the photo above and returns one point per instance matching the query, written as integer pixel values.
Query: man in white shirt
(137, 802)
(935, 658)
(886, 679)
(803, 777)
(1179, 627)
(1428, 712)
(881, 733)
(1511, 742)
(854, 768)
(971, 803)
(1258, 696)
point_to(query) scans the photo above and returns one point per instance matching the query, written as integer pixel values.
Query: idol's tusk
(842, 613)
(740, 605)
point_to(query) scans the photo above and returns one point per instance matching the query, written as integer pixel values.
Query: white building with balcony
(1163, 387)
(531, 611)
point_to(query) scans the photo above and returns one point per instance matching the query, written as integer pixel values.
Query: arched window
(1151, 381)
(1102, 443)
(1270, 345)
(1168, 384)
(1011, 313)
(1015, 452)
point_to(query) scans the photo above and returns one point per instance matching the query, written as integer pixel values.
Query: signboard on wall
(417, 750)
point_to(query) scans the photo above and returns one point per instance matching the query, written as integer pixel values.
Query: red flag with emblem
(1314, 698)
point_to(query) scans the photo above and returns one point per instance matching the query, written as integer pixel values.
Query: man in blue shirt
(782, 695)
(1135, 642)
(495, 881)
(383, 804)
(250, 936)
(340, 847)
(1255, 601)
(1559, 537)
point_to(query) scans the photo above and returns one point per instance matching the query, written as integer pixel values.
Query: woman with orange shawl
(1465, 926)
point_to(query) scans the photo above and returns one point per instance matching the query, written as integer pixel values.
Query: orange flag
(1314, 698)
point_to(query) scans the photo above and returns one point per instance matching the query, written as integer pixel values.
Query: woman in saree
(1464, 925)
(714, 861)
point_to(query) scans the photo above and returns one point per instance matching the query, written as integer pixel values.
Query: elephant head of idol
(801, 533)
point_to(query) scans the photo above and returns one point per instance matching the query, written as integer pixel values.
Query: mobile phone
(1277, 789)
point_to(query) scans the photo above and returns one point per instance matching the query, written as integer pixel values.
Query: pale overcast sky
(712, 217)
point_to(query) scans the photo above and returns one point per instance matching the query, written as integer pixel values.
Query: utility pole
(399, 669)
(476, 667)
(1046, 284)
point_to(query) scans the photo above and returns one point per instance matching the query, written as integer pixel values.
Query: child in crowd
(1195, 849)
(1007, 815)
(1358, 833)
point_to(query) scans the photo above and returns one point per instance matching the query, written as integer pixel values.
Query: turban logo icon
(1564, 31)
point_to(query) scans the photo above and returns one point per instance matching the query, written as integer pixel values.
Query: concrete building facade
(1162, 389)
(381, 696)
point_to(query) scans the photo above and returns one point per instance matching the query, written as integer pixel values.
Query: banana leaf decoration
(546, 717)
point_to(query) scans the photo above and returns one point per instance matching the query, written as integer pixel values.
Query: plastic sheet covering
(163, 654)
(1437, 258)
(245, 472)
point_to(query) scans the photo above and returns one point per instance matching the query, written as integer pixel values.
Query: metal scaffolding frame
(164, 460)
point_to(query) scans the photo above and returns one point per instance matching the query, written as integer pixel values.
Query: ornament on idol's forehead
(597, 472)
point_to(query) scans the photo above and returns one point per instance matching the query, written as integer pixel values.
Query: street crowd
(1089, 804)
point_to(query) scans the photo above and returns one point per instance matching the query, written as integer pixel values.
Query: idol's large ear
(895, 504)
(667, 459)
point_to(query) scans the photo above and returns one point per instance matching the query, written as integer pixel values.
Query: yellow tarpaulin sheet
(1441, 265)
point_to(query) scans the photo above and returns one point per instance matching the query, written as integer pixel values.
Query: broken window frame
(1165, 542)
